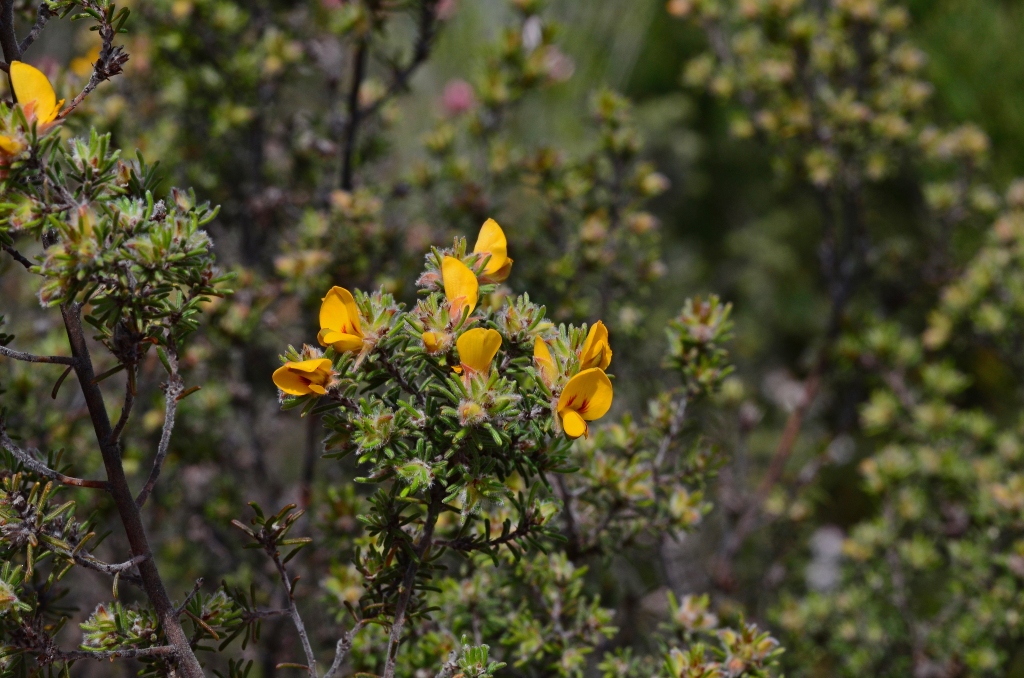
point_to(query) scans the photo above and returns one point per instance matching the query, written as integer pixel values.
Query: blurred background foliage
(245, 102)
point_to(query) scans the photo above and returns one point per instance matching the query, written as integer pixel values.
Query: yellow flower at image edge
(491, 240)
(10, 145)
(596, 351)
(339, 321)
(477, 349)
(587, 396)
(303, 378)
(460, 287)
(34, 92)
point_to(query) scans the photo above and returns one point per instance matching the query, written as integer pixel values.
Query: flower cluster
(569, 365)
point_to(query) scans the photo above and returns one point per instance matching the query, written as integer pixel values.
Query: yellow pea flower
(34, 92)
(303, 378)
(491, 240)
(431, 342)
(586, 397)
(460, 286)
(596, 350)
(339, 321)
(11, 146)
(477, 349)
(544, 362)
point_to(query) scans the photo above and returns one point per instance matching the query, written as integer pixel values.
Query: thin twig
(464, 544)
(93, 83)
(675, 424)
(354, 113)
(126, 409)
(29, 358)
(42, 16)
(748, 520)
(409, 580)
(18, 257)
(36, 466)
(293, 610)
(575, 543)
(119, 569)
(159, 651)
(396, 374)
(191, 595)
(342, 649)
(894, 380)
(264, 614)
(426, 33)
(171, 392)
(109, 63)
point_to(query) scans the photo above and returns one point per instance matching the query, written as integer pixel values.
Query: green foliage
(853, 482)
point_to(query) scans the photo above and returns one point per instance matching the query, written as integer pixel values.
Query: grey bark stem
(174, 388)
(293, 612)
(342, 649)
(43, 15)
(122, 494)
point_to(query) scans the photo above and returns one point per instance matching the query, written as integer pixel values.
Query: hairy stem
(171, 392)
(343, 648)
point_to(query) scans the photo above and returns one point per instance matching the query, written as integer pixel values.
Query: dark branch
(426, 32)
(676, 423)
(8, 39)
(118, 487)
(190, 596)
(126, 409)
(17, 255)
(397, 375)
(354, 113)
(465, 544)
(42, 16)
(409, 580)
